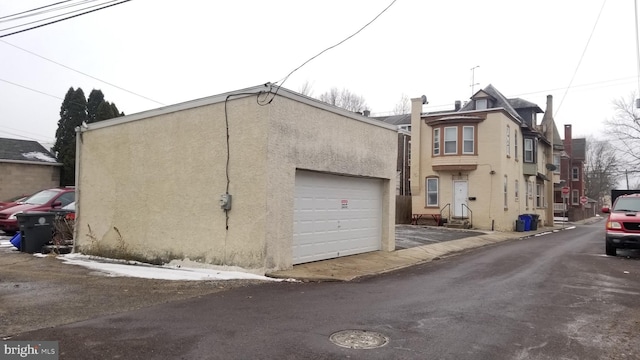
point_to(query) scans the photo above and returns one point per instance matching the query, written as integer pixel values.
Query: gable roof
(518, 103)
(267, 93)
(404, 119)
(500, 101)
(25, 151)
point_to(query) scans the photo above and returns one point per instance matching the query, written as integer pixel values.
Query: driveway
(408, 236)
(31, 286)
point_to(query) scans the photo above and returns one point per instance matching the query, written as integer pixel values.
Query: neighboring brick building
(572, 173)
(25, 168)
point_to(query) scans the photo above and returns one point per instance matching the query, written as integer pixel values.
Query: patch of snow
(110, 267)
(5, 244)
(36, 155)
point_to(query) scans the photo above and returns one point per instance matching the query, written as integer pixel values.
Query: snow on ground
(115, 268)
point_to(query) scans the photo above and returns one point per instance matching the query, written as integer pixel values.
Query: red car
(40, 201)
(12, 202)
(623, 224)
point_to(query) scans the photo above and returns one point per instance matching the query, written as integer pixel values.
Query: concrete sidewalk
(351, 267)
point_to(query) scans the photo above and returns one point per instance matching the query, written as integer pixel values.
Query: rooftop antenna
(473, 83)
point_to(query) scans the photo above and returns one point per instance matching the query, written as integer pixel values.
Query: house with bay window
(485, 163)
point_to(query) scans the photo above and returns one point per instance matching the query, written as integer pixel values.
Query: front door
(460, 195)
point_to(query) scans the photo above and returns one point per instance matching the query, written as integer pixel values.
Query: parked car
(13, 201)
(41, 201)
(66, 212)
(623, 224)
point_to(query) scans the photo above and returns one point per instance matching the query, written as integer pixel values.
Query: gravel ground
(40, 292)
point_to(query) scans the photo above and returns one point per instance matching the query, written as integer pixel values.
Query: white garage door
(335, 216)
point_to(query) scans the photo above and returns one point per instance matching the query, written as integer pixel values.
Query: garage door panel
(335, 216)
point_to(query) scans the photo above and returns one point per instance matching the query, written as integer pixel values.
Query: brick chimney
(567, 140)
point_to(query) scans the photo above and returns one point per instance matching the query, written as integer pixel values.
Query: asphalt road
(549, 297)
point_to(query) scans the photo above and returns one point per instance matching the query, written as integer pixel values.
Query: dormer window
(481, 104)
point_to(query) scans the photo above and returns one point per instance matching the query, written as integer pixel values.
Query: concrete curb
(352, 267)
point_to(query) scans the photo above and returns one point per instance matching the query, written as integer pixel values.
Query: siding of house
(157, 179)
(20, 178)
(487, 209)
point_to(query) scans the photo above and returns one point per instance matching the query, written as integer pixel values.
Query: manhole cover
(359, 339)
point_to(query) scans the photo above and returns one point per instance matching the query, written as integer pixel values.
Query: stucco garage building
(308, 181)
(26, 167)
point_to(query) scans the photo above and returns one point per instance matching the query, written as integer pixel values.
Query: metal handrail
(444, 207)
(470, 213)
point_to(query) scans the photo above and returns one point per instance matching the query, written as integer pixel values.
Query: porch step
(458, 224)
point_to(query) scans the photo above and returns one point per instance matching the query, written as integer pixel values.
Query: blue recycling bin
(534, 221)
(526, 218)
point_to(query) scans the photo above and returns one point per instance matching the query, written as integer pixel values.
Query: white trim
(459, 114)
(30, 162)
(220, 98)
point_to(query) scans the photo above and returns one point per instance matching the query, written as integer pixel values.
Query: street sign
(583, 200)
(565, 190)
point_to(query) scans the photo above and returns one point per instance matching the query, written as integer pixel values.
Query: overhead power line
(32, 10)
(283, 80)
(28, 88)
(56, 16)
(581, 57)
(63, 19)
(85, 74)
(27, 137)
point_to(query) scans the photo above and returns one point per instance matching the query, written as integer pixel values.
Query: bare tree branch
(623, 130)
(403, 106)
(344, 99)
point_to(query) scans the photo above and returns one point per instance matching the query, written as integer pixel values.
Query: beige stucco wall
(158, 180)
(20, 178)
(487, 211)
(307, 138)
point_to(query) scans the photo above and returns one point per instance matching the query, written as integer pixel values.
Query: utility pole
(473, 83)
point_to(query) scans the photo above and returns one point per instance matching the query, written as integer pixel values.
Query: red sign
(565, 190)
(583, 200)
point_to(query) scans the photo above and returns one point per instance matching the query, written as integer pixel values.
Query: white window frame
(508, 144)
(482, 104)
(455, 141)
(528, 150)
(515, 144)
(465, 140)
(539, 195)
(517, 190)
(436, 141)
(575, 197)
(506, 192)
(428, 192)
(556, 162)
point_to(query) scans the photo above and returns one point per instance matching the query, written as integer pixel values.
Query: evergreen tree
(96, 97)
(116, 112)
(104, 111)
(72, 113)
(76, 109)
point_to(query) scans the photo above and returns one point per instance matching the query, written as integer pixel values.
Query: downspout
(76, 229)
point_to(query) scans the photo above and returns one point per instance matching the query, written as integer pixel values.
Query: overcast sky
(164, 52)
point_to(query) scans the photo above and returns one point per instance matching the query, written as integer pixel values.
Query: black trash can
(36, 230)
(519, 225)
(534, 221)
